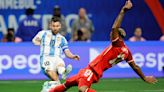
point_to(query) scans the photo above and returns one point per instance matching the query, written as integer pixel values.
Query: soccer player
(112, 55)
(51, 46)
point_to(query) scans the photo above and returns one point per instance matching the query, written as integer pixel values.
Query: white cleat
(48, 85)
(68, 70)
(45, 87)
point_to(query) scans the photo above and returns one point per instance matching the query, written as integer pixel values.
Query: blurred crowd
(82, 28)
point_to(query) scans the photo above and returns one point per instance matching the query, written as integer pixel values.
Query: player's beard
(55, 32)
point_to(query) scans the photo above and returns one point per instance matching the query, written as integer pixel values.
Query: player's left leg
(61, 68)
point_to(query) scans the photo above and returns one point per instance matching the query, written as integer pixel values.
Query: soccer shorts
(51, 63)
(87, 77)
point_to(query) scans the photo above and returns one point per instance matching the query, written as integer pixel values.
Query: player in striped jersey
(52, 44)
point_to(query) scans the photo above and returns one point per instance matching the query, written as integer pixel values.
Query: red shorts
(85, 77)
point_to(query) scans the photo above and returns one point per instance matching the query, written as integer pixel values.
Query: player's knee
(61, 65)
(83, 89)
(49, 72)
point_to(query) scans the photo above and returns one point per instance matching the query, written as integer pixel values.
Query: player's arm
(69, 54)
(118, 21)
(37, 39)
(148, 79)
(137, 69)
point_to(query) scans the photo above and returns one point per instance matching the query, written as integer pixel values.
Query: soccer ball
(48, 85)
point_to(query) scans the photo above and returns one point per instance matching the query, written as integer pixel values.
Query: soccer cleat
(48, 85)
(68, 70)
(45, 87)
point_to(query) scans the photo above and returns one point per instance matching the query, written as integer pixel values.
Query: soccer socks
(61, 70)
(89, 90)
(59, 88)
(68, 70)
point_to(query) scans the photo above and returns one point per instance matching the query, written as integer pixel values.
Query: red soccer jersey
(106, 59)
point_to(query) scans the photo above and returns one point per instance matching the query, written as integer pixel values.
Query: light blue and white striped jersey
(51, 45)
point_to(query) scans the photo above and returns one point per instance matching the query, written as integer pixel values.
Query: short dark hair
(55, 19)
(10, 29)
(122, 32)
(29, 11)
(57, 8)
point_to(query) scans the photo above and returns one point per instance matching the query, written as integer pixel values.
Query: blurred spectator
(81, 35)
(162, 38)
(1, 34)
(82, 22)
(9, 37)
(137, 35)
(57, 13)
(28, 27)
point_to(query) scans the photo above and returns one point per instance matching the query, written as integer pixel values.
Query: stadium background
(102, 13)
(20, 61)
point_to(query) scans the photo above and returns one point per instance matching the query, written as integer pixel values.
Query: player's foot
(48, 85)
(45, 86)
(68, 70)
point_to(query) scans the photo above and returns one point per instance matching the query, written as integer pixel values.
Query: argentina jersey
(52, 45)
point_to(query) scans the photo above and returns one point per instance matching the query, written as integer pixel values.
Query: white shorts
(51, 63)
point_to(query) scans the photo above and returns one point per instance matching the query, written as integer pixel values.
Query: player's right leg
(52, 75)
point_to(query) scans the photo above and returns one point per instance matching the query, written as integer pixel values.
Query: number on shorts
(46, 63)
(88, 73)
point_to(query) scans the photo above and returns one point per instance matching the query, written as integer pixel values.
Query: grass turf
(104, 85)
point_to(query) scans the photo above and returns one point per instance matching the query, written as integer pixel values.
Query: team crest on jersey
(49, 36)
(58, 41)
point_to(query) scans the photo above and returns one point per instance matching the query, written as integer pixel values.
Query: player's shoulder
(61, 36)
(45, 31)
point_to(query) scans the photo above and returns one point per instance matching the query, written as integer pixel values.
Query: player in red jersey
(112, 55)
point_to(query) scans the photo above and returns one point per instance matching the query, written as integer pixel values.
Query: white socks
(61, 70)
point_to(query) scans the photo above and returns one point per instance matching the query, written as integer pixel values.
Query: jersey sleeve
(129, 57)
(36, 40)
(64, 44)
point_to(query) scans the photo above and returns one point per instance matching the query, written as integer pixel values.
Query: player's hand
(150, 79)
(121, 56)
(128, 5)
(76, 57)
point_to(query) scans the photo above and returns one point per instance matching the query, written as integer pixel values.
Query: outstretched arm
(70, 55)
(118, 21)
(148, 79)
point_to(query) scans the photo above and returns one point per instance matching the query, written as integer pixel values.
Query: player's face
(55, 27)
(82, 13)
(138, 32)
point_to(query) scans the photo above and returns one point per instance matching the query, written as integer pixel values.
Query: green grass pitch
(104, 85)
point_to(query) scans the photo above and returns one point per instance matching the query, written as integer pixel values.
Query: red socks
(59, 88)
